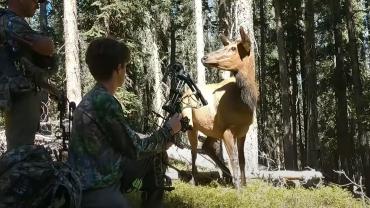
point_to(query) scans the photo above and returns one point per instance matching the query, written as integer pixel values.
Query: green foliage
(325, 67)
(256, 194)
(123, 20)
(130, 21)
(131, 102)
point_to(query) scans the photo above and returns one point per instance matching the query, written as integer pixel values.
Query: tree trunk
(313, 142)
(262, 77)
(363, 142)
(45, 127)
(43, 17)
(285, 95)
(367, 4)
(365, 149)
(224, 17)
(356, 73)
(244, 17)
(72, 63)
(365, 45)
(226, 23)
(201, 76)
(293, 34)
(293, 103)
(303, 133)
(345, 143)
(154, 66)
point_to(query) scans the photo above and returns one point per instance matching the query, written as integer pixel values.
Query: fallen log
(50, 142)
(184, 155)
(307, 178)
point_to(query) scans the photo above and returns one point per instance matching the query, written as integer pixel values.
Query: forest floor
(256, 194)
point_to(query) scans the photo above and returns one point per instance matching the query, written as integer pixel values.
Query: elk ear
(224, 40)
(246, 41)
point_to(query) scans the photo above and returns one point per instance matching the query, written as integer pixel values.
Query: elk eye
(233, 48)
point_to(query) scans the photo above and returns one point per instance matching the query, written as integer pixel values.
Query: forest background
(312, 66)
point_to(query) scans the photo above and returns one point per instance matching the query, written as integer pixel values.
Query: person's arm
(147, 145)
(42, 45)
(124, 139)
(18, 29)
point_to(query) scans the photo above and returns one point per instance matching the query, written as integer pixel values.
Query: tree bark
(365, 45)
(345, 143)
(224, 17)
(226, 23)
(244, 17)
(363, 142)
(313, 142)
(285, 95)
(43, 17)
(293, 34)
(72, 63)
(173, 39)
(262, 77)
(45, 128)
(356, 73)
(201, 75)
(155, 100)
(303, 133)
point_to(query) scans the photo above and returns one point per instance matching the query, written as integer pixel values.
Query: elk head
(232, 56)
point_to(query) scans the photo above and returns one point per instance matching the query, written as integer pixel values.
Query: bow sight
(181, 78)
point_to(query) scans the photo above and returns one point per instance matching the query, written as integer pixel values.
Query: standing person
(103, 148)
(21, 49)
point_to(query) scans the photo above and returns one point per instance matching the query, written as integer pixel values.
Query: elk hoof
(227, 179)
(194, 181)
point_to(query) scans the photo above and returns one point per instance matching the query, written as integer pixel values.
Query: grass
(256, 194)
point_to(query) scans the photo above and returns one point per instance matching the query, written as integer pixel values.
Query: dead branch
(356, 186)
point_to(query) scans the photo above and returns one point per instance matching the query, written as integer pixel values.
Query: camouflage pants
(140, 175)
(105, 197)
(111, 196)
(23, 119)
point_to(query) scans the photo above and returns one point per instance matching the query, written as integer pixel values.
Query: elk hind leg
(212, 147)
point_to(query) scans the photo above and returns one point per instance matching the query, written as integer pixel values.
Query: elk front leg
(212, 148)
(241, 142)
(232, 151)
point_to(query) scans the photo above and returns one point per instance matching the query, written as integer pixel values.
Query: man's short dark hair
(103, 57)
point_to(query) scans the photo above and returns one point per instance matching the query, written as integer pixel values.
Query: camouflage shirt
(10, 23)
(101, 140)
(13, 27)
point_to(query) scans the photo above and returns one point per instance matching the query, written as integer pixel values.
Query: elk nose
(204, 58)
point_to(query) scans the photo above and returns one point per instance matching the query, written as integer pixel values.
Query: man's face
(28, 7)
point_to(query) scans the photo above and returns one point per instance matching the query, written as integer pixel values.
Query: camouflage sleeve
(123, 136)
(147, 145)
(19, 28)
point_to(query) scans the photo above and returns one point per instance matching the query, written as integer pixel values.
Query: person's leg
(106, 197)
(154, 183)
(152, 195)
(22, 120)
(134, 170)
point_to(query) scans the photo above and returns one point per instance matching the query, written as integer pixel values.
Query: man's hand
(174, 123)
